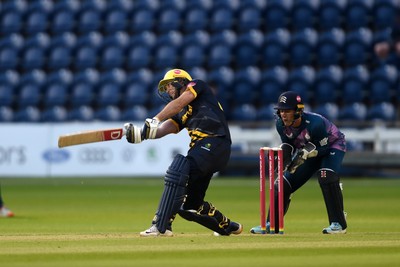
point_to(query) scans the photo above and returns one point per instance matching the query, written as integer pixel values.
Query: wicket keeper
(311, 144)
(192, 105)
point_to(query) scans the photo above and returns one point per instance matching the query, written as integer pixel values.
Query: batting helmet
(171, 75)
(290, 100)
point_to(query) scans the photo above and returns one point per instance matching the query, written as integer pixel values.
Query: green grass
(95, 222)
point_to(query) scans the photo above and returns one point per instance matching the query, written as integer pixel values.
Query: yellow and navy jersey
(204, 116)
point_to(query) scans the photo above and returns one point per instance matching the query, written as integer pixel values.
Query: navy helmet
(290, 101)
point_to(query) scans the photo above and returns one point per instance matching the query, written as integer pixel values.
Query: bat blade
(87, 137)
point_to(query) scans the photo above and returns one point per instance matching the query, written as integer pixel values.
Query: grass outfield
(95, 222)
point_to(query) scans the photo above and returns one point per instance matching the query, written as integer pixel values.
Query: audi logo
(95, 155)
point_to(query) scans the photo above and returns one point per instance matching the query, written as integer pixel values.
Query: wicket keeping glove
(150, 128)
(133, 133)
(308, 151)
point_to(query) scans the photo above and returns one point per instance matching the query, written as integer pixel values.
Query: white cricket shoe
(334, 228)
(4, 212)
(153, 231)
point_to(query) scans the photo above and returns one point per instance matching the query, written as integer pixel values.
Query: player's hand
(133, 133)
(150, 128)
(308, 151)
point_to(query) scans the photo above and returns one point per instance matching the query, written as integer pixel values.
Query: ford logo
(56, 155)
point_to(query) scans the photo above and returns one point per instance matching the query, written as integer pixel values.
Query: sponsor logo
(95, 155)
(13, 155)
(56, 155)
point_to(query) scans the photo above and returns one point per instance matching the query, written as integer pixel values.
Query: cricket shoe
(258, 230)
(334, 228)
(4, 212)
(153, 231)
(233, 228)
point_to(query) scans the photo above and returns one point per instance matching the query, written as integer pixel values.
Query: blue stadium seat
(304, 13)
(198, 37)
(82, 94)
(383, 111)
(302, 47)
(108, 113)
(88, 21)
(145, 38)
(329, 47)
(6, 95)
(112, 57)
(149, 4)
(135, 113)
(27, 114)
(9, 78)
(62, 21)
(219, 55)
(81, 113)
(10, 22)
(195, 20)
(85, 57)
(36, 21)
(62, 77)
(331, 14)
(273, 83)
(274, 51)
(245, 81)
(221, 79)
(384, 14)
(358, 14)
(382, 82)
(247, 48)
(115, 20)
(136, 93)
(198, 73)
(14, 40)
(29, 95)
(221, 19)
(33, 58)
(250, 18)
(355, 82)
(353, 112)
(267, 112)
(125, 5)
(59, 57)
(329, 110)
(226, 37)
(328, 84)
(55, 95)
(165, 57)
(301, 80)
(34, 77)
(108, 94)
(243, 113)
(86, 76)
(6, 114)
(115, 76)
(357, 47)
(277, 14)
(139, 56)
(8, 58)
(54, 114)
(96, 5)
(41, 40)
(120, 39)
(93, 39)
(171, 38)
(142, 20)
(192, 56)
(169, 19)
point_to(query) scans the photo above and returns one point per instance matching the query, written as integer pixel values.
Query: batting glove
(133, 133)
(150, 128)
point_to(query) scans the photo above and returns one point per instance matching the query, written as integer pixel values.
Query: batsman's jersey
(316, 129)
(204, 117)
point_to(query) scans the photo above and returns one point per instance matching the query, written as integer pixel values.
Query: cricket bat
(87, 137)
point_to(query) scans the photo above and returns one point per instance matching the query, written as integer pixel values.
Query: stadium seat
(219, 55)
(221, 79)
(303, 14)
(165, 57)
(277, 15)
(93, 39)
(249, 19)
(226, 37)
(9, 78)
(62, 77)
(331, 14)
(243, 113)
(29, 95)
(192, 56)
(112, 57)
(136, 93)
(301, 81)
(139, 56)
(142, 20)
(81, 113)
(115, 20)
(247, 48)
(55, 95)
(6, 95)
(88, 21)
(198, 73)
(274, 51)
(27, 114)
(329, 47)
(356, 112)
(62, 21)
(357, 47)
(87, 76)
(267, 112)
(54, 114)
(383, 111)
(85, 57)
(382, 82)
(329, 110)
(135, 113)
(96, 5)
(82, 94)
(221, 19)
(358, 14)
(33, 58)
(302, 47)
(245, 81)
(10, 22)
(198, 37)
(41, 40)
(34, 77)
(195, 20)
(384, 14)
(36, 21)
(169, 19)
(108, 94)
(108, 113)
(145, 38)
(171, 38)
(327, 85)
(8, 58)
(355, 82)
(115, 76)
(273, 83)
(6, 114)
(59, 58)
